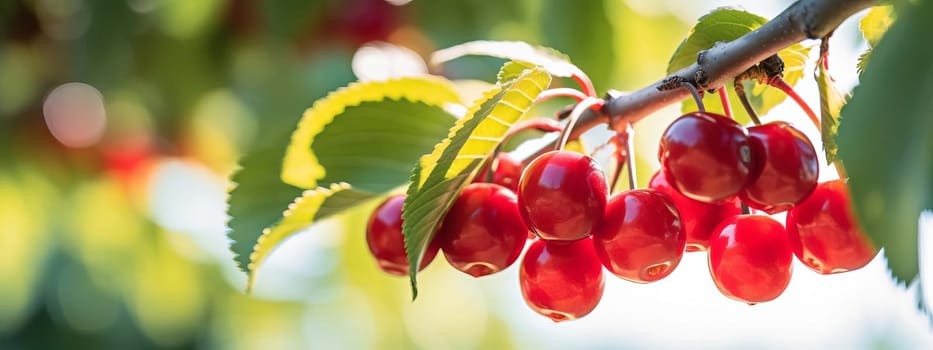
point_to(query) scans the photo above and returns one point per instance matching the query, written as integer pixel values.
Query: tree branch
(805, 19)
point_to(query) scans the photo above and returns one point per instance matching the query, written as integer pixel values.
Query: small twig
(587, 103)
(696, 95)
(584, 81)
(560, 92)
(740, 92)
(724, 99)
(630, 156)
(779, 83)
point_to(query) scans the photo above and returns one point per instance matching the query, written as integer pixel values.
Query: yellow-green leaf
(311, 206)
(873, 26)
(301, 167)
(831, 103)
(876, 22)
(439, 177)
(511, 70)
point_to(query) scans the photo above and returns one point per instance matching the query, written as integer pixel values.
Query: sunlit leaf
(439, 176)
(554, 62)
(313, 205)
(373, 145)
(831, 102)
(725, 25)
(886, 140)
(366, 135)
(876, 22)
(873, 26)
(511, 70)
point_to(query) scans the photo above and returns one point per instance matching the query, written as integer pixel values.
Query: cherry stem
(585, 83)
(696, 95)
(745, 209)
(630, 156)
(724, 99)
(560, 92)
(587, 103)
(540, 124)
(740, 92)
(779, 83)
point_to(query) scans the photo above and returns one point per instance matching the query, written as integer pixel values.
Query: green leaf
(582, 30)
(886, 140)
(372, 145)
(831, 102)
(511, 70)
(554, 62)
(312, 206)
(257, 200)
(439, 177)
(725, 25)
(366, 135)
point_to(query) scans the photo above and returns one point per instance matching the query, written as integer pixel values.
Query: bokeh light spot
(75, 115)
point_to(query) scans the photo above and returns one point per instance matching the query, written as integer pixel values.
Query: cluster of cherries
(711, 165)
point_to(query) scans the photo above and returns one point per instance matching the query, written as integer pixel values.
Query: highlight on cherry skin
(561, 280)
(385, 240)
(641, 237)
(483, 233)
(750, 258)
(824, 233)
(698, 219)
(785, 168)
(705, 156)
(562, 195)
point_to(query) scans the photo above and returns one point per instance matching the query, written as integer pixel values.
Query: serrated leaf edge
(426, 166)
(270, 237)
(300, 166)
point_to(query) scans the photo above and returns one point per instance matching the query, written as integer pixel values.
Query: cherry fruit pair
(482, 233)
(710, 158)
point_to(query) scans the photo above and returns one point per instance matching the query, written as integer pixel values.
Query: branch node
(701, 79)
(671, 82)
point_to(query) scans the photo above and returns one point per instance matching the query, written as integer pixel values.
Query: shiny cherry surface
(705, 156)
(507, 173)
(385, 240)
(750, 258)
(562, 195)
(699, 219)
(785, 168)
(483, 232)
(640, 238)
(824, 234)
(561, 280)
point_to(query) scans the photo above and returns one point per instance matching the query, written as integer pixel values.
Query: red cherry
(385, 240)
(785, 168)
(824, 233)
(562, 195)
(640, 237)
(483, 232)
(507, 173)
(705, 156)
(750, 258)
(561, 280)
(699, 219)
